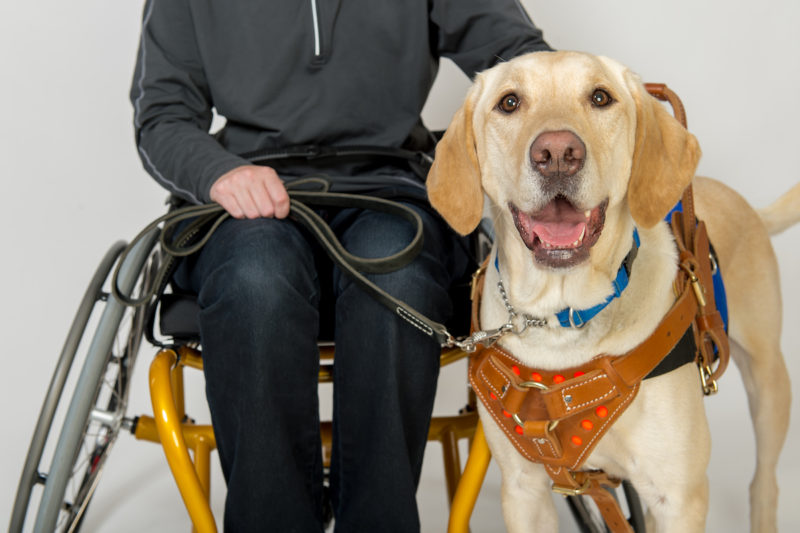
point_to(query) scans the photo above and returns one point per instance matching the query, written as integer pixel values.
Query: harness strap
(530, 403)
(710, 335)
(557, 418)
(542, 412)
(594, 484)
(642, 360)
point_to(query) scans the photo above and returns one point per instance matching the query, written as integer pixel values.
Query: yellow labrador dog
(573, 155)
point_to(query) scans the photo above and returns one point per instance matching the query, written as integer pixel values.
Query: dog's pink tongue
(561, 234)
(559, 223)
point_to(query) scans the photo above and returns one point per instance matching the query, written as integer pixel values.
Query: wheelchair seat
(178, 317)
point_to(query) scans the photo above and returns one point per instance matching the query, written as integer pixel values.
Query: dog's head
(569, 148)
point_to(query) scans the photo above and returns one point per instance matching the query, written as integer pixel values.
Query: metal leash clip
(487, 338)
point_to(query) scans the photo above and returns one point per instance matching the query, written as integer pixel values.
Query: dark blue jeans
(261, 285)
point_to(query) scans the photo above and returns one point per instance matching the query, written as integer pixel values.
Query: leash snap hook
(708, 383)
(487, 338)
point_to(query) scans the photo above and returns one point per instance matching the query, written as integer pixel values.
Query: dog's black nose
(558, 154)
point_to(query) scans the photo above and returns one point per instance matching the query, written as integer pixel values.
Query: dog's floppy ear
(665, 158)
(454, 180)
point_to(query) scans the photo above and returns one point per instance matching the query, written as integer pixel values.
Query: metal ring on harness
(533, 385)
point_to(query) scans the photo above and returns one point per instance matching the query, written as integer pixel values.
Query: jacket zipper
(317, 34)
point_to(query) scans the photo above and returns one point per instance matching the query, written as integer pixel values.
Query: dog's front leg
(664, 442)
(526, 498)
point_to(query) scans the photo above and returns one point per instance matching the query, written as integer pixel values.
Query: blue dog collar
(571, 318)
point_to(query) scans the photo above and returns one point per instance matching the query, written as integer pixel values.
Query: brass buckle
(569, 491)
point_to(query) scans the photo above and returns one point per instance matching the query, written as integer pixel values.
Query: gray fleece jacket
(294, 72)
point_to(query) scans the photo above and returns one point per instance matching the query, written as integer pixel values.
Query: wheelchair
(96, 408)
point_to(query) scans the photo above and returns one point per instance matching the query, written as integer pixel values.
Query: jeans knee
(260, 265)
(261, 286)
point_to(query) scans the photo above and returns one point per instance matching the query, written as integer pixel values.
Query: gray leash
(210, 216)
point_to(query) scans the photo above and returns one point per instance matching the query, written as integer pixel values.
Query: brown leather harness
(556, 418)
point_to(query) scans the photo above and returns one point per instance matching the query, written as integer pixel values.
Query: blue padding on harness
(719, 287)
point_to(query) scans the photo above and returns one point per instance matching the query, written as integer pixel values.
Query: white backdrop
(73, 184)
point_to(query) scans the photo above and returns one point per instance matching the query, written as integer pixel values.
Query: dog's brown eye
(601, 98)
(509, 103)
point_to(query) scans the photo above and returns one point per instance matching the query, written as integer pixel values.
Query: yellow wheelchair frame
(178, 434)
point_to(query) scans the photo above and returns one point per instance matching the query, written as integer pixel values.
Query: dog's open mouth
(560, 235)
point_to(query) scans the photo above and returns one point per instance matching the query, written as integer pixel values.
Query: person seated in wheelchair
(320, 73)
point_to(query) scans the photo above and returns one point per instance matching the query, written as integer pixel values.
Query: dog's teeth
(583, 233)
(587, 213)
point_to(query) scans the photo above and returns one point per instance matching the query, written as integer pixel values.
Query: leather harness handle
(665, 94)
(661, 92)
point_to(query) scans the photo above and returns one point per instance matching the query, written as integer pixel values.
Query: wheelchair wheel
(589, 519)
(95, 413)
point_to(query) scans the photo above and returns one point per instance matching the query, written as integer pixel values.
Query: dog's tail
(783, 213)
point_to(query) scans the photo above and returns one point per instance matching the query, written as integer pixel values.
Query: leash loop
(207, 218)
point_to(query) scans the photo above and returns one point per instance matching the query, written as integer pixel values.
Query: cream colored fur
(639, 159)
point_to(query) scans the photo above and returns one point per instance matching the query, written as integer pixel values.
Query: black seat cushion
(178, 314)
(178, 317)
